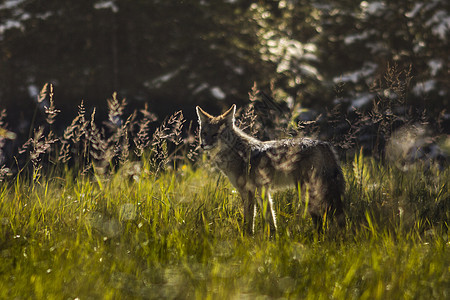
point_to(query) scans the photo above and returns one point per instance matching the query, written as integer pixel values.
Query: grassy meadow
(177, 234)
(118, 212)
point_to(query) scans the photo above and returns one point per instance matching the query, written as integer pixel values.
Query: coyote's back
(255, 168)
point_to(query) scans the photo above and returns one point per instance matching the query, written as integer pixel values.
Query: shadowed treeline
(352, 73)
(178, 54)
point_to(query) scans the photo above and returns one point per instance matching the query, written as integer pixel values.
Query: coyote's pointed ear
(229, 114)
(203, 116)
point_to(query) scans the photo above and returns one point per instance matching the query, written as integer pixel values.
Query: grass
(178, 234)
(114, 212)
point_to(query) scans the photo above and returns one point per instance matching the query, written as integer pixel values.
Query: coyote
(255, 168)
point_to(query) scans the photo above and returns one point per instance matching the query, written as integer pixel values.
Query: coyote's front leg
(266, 205)
(249, 211)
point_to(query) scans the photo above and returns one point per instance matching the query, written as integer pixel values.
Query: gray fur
(255, 168)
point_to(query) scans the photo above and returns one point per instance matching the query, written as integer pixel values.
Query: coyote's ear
(203, 116)
(229, 114)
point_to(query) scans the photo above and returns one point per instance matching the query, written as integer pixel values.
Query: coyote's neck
(235, 144)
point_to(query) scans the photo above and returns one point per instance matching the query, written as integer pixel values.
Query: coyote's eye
(208, 138)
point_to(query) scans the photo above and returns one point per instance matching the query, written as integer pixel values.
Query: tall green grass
(118, 212)
(178, 234)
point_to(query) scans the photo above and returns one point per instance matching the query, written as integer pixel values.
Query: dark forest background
(173, 55)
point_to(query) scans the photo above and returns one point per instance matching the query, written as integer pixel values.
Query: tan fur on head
(203, 116)
(229, 114)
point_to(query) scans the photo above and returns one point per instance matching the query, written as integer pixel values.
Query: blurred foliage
(174, 54)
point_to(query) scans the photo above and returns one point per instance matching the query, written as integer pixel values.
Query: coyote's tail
(335, 187)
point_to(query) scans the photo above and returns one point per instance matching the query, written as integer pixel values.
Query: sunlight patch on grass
(178, 234)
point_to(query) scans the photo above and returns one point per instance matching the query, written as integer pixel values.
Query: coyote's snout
(256, 168)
